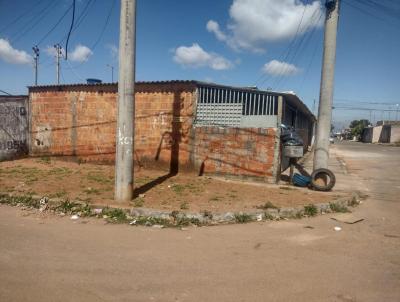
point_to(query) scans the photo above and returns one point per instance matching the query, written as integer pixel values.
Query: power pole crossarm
(321, 155)
(126, 103)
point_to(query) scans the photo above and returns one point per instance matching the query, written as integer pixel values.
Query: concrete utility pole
(321, 155)
(58, 56)
(36, 59)
(126, 103)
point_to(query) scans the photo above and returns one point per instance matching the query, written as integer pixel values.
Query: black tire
(320, 172)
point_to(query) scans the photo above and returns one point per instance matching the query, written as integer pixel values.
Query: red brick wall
(244, 152)
(82, 123)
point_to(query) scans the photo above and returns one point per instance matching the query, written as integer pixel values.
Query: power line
(33, 22)
(29, 10)
(303, 43)
(368, 13)
(55, 26)
(288, 49)
(70, 29)
(105, 25)
(80, 19)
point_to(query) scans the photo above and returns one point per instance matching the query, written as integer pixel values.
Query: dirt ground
(91, 183)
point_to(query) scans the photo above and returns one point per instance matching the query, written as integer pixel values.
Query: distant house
(208, 128)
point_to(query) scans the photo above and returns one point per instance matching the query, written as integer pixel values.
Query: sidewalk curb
(151, 217)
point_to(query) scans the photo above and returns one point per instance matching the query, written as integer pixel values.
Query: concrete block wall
(240, 152)
(13, 127)
(395, 134)
(82, 123)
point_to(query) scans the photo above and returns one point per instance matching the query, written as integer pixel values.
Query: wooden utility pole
(321, 155)
(126, 103)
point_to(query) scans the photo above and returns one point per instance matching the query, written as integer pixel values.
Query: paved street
(55, 259)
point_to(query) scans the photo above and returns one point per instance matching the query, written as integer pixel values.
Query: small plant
(268, 216)
(67, 207)
(310, 210)
(243, 218)
(207, 214)
(267, 205)
(338, 208)
(115, 215)
(353, 201)
(184, 206)
(85, 210)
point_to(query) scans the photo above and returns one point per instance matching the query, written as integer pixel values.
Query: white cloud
(51, 51)
(195, 56)
(81, 53)
(256, 22)
(213, 27)
(113, 51)
(277, 68)
(12, 55)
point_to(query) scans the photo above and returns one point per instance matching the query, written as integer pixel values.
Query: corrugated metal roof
(112, 84)
(291, 97)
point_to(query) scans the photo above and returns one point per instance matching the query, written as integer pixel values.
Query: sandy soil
(153, 188)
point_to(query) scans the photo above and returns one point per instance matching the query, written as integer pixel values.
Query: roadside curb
(152, 217)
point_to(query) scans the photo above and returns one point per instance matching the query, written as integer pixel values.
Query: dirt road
(55, 259)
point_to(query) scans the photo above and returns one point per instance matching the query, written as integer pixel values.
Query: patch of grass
(215, 198)
(149, 221)
(338, 208)
(91, 191)
(26, 200)
(142, 180)
(310, 210)
(67, 207)
(115, 215)
(267, 205)
(268, 216)
(60, 171)
(59, 194)
(138, 202)
(99, 178)
(184, 206)
(186, 221)
(178, 189)
(44, 160)
(243, 218)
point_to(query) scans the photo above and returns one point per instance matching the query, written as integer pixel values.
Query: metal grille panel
(235, 107)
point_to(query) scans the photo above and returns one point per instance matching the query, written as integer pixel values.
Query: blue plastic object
(301, 180)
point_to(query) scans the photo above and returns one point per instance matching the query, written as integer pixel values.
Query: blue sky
(235, 42)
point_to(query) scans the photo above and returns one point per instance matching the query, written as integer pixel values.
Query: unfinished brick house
(191, 125)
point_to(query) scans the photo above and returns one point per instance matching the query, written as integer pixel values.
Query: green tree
(357, 126)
